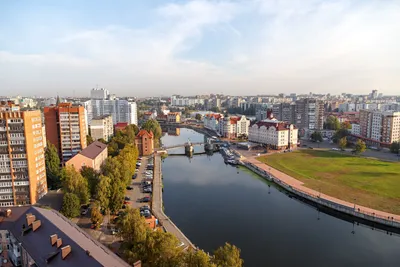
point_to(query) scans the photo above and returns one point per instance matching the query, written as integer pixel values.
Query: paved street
(137, 193)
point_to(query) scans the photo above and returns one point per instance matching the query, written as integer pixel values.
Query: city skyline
(199, 47)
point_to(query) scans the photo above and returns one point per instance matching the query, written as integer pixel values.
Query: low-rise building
(120, 126)
(211, 121)
(145, 142)
(162, 118)
(273, 133)
(102, 128)
(92, 156)
(174, 117)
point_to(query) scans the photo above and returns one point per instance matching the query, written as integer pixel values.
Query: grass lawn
(373, 183)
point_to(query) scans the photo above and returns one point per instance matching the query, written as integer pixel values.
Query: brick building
(92, 156)
(145, 142)
(66, 129)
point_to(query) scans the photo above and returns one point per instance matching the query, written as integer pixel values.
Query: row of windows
(15, 120)
(16, 135)
(36, 119)
(37, 125)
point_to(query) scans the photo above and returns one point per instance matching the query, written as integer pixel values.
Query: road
(137, 193)
(157, 206)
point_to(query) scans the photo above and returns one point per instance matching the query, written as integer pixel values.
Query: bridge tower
(188, 147)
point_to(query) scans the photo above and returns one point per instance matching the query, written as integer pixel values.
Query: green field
(373, 183)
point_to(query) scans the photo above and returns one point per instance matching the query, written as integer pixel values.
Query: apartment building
(22, 165)
(102, 128)
(380, 126)
(66, 129)
(120, 110)
(174, 117)
(274, 134)
(285, 112)
(232, 127)
(309, 114)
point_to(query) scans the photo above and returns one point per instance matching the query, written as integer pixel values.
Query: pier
(157, 206)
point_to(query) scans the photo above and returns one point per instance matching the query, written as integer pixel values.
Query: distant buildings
(174, 117)
(145, 142)
(102, 128)
(274, 134)
(22, 164)
(383, 127)
(66, 129)
(92, 156)
(186, 101)
(309, 114)
(285, 112)
(211, 121)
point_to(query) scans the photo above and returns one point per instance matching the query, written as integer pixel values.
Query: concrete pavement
(137, 193)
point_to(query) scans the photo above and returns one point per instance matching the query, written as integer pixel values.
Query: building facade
(211, 121)
(309, 114)
(285, 112)
(102, 128)
(22, 164)
(120, 110)
(274, 134)
(174, 117)
(233, 127)
(380, 126)
(145, 143)
(66, 129)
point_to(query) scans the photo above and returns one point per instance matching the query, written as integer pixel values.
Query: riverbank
(297, 187)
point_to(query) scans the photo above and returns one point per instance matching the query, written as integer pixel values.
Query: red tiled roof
(144, 132)
(234, 120)
(215, 115)
(121, 125)
(280, 126)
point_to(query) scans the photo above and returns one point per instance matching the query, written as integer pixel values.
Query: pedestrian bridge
(182, 145)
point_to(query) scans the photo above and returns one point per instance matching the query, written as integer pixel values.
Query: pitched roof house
(145, 142)
(92, 156)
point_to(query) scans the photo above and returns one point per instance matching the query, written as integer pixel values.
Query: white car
(336, 149)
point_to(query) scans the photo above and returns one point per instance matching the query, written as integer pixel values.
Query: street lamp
(355, 204)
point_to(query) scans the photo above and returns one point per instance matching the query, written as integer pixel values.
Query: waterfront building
(234, 126)
(274, 134)
(92, 156)
(66, 129)
(43, 237)
(22, 164)
(145, 142)
(102, 128)
(211, 121)
(174, 117)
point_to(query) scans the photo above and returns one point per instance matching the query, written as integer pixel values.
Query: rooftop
(93, 150)
(101, 117)
(144, 132)
(36, 239)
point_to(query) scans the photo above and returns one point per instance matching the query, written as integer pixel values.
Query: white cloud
(321, 46)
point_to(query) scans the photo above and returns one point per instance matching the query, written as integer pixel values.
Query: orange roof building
(145, 142)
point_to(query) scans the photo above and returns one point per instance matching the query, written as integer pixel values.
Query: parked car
(145, 213)
(335, 149)
(134, 176)
(138, 164)
(126, 202)
(145, 207)
(139, 158)
(144, 199)
(84, 212)
(310, 147)
(127, 198)
(129, 188)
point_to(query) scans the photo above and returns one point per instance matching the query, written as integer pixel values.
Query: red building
(145, 142)
(120, 126)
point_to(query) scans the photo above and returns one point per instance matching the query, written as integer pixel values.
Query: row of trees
(157, 248)
(395, 147)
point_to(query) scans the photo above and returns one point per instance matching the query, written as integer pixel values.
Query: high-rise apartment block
(66, 129)
(22, 166)
(102, 128)
(284, 112)
(380, 126)
(309, 114)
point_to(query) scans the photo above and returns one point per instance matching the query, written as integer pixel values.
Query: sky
(159, 47)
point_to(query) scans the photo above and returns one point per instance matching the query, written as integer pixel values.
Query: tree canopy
(52, 167)
(332, 123)
(359, 146)
(71, 205)
(198, 117)
(92, 178)
(73, 182)
(316, 137)
(153, 126)
(343, 143)
(395, 147)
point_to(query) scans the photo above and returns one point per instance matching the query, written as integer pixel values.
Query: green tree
(316, 137)
(343, 143)
(92, 177)
(89, 139)
(153, 126)
(102, 140)
(103, 192)
(340, 134)
(132, 227)
(96, 217)
(198, 117)
(73, 182)
(228, 256)
(52, 167)
(117, 194)
(197, 258)
(71, 205)
(395, 147)
(131, 131)
(332, 123)
(359, 147)
(345, 125)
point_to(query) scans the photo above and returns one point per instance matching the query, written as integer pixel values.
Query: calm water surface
(213, 203)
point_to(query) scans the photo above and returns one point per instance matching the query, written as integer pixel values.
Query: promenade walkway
(157, 206)
(292, 183)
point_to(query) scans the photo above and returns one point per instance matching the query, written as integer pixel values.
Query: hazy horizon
(243, 47)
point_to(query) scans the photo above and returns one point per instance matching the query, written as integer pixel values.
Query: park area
(367, 182)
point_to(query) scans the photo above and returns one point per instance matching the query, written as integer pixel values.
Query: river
(213, 203)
